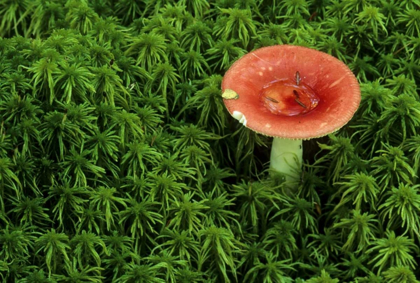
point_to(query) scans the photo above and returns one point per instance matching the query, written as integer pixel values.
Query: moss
(120, 163)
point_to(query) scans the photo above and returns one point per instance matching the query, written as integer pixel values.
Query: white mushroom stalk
(286, 154)
(286, 158)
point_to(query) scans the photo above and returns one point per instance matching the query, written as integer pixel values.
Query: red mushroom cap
(290, 67)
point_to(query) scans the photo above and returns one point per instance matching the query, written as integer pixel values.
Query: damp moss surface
(120, 163)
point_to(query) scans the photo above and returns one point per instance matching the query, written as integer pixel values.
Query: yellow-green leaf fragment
(230, 94)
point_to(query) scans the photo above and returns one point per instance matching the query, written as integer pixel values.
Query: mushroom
(291, 93)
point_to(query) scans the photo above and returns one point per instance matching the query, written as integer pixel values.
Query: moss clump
(119, 162)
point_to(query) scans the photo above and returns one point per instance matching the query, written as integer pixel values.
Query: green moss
(120, 163)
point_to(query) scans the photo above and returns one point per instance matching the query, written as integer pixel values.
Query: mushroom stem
(286, 158)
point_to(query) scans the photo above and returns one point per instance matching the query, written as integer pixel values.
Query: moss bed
(120, 163)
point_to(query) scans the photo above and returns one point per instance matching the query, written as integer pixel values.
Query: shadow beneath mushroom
(312, 149)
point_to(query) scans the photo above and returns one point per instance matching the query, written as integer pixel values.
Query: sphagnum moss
(119, 162)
